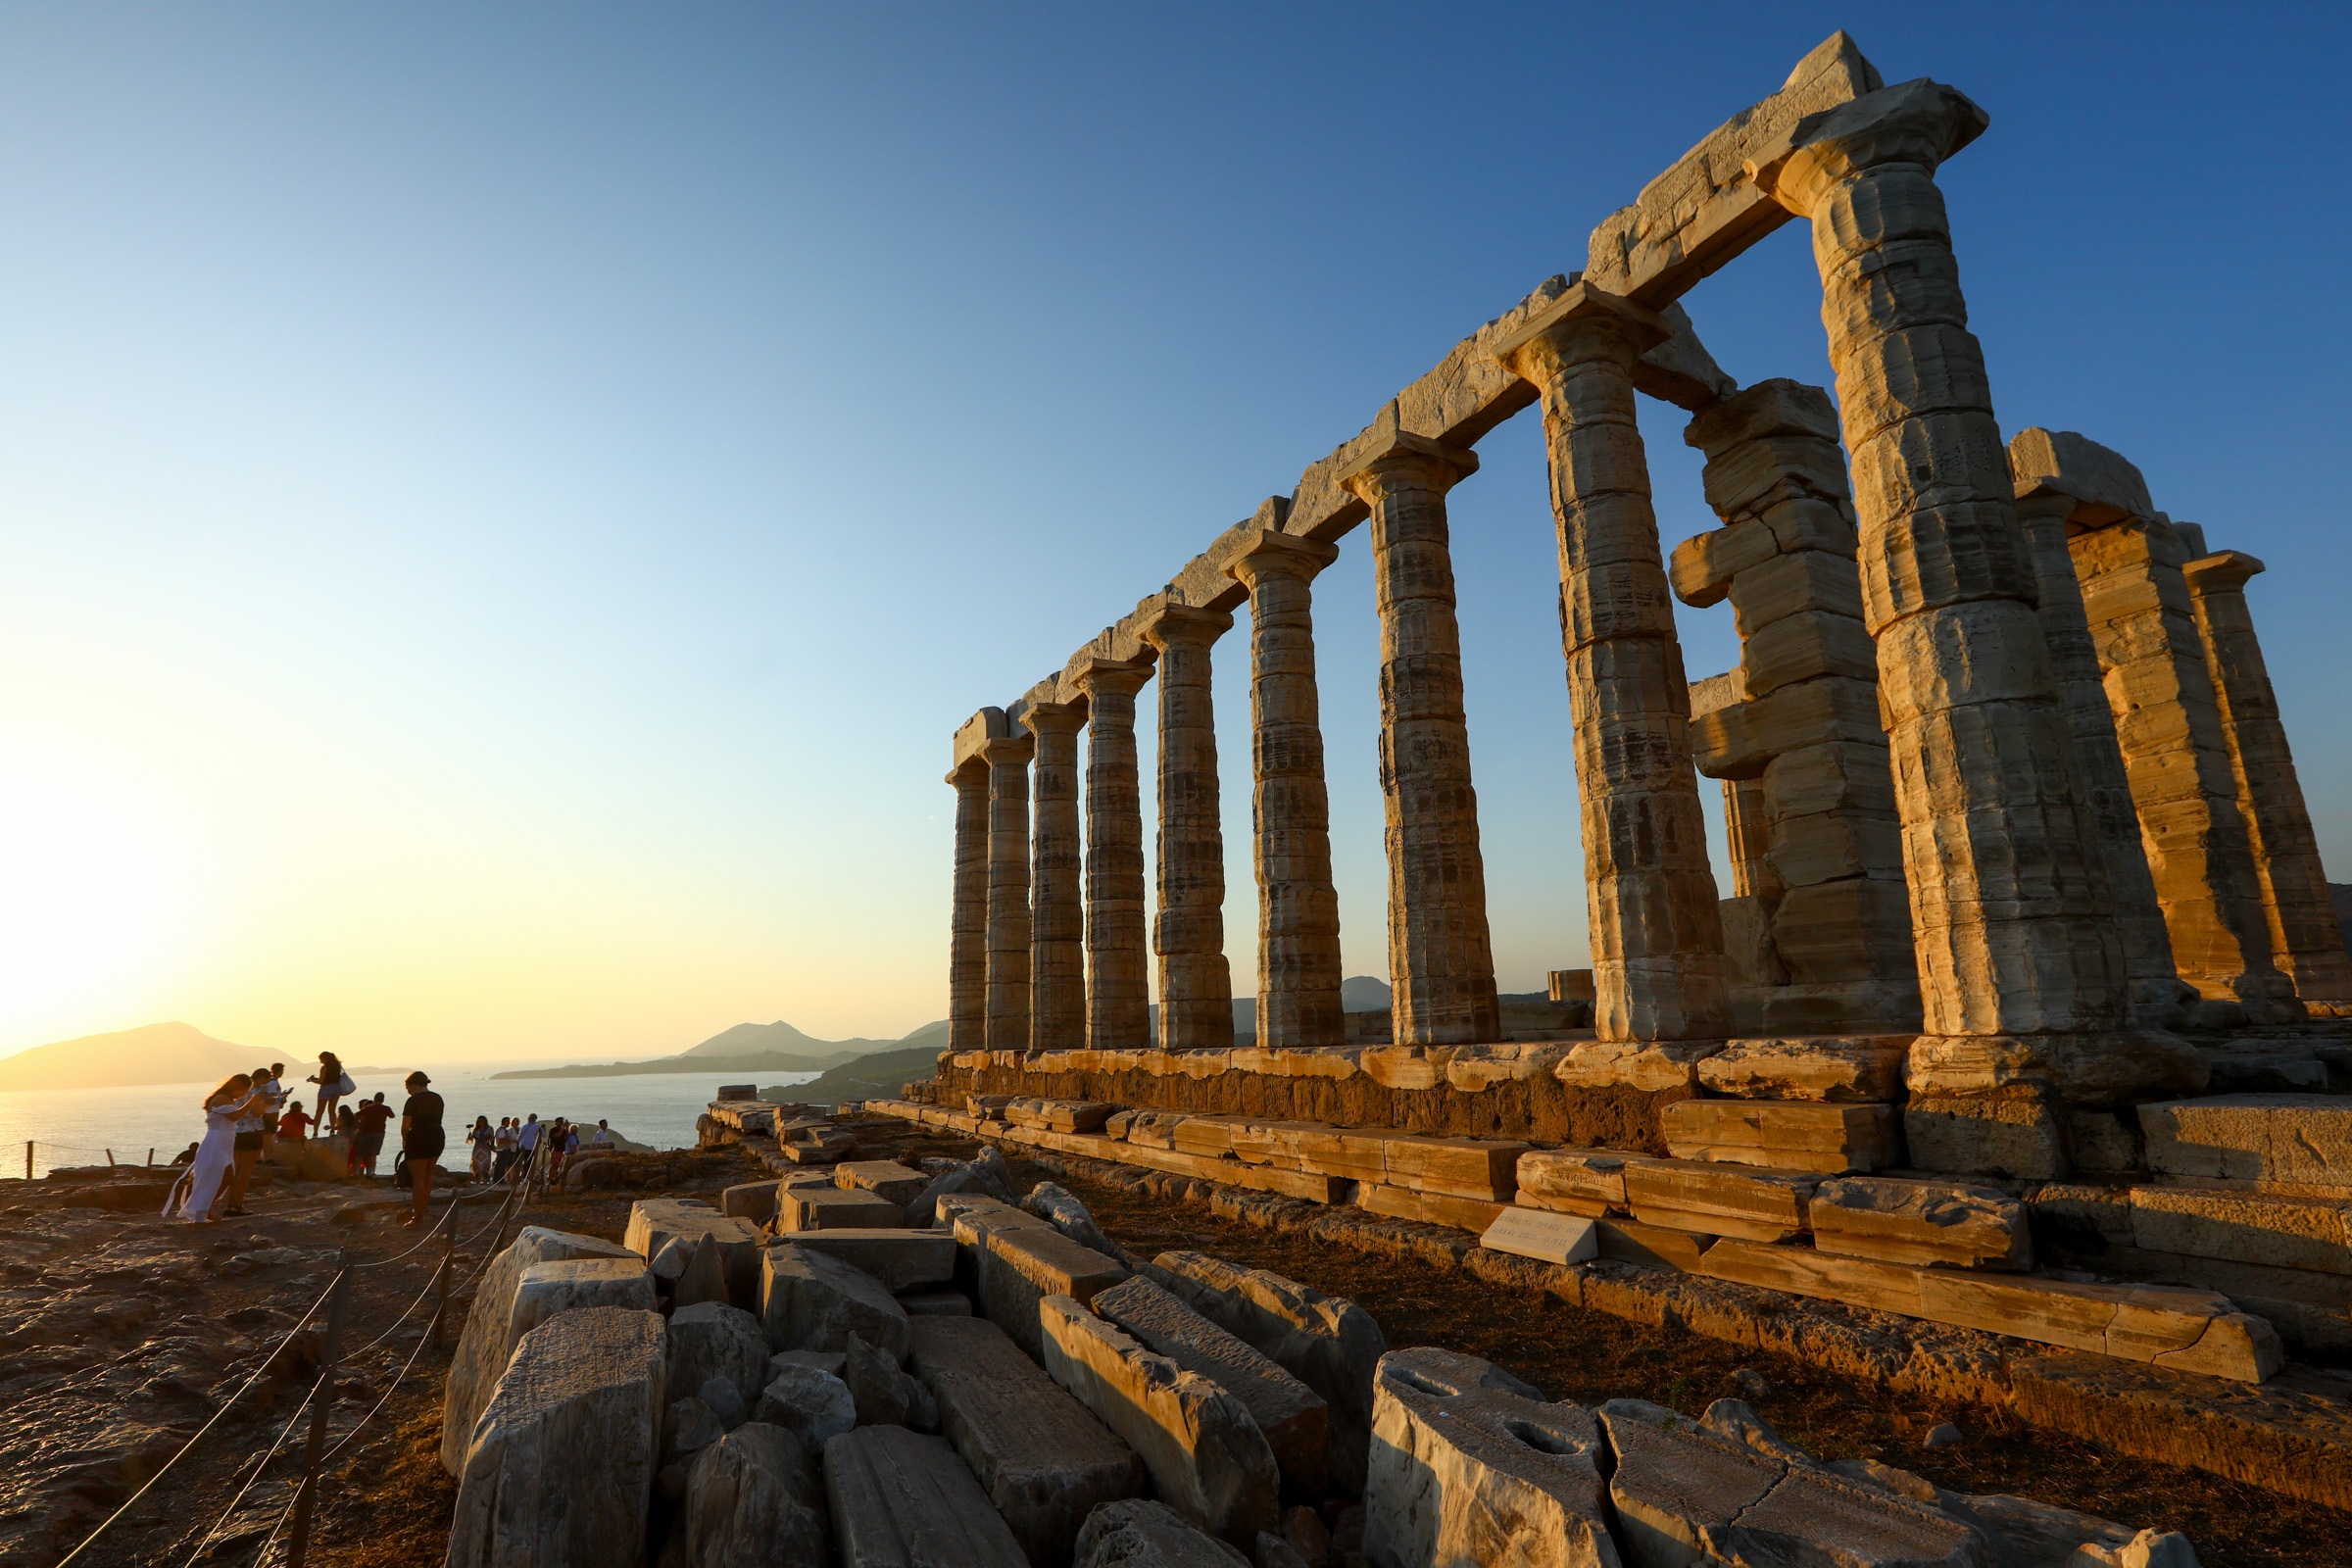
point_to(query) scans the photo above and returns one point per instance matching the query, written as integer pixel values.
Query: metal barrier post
(323, 1403)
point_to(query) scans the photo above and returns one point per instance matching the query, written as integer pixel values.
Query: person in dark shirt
(420, 1142)
(368, 1133)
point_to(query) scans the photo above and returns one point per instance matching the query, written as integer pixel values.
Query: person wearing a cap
(420, 1142)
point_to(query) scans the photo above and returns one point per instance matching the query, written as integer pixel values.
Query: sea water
(78, 1126)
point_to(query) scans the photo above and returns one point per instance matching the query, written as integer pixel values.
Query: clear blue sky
(501, 507)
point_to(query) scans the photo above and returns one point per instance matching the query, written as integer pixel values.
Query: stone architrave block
(1929, 1224)
(1864, 1069)
(1575, 1181)
(1716, 1199)
(1468, 1469)
(2312, 1234)
(884, 1178)
(1141, 1533)
(1553, 1238)
(1329, 1343)
(560, 1464)
(1684, 1494)
(485, 1344)
(902, 1260)
(1043, 1459)
(2280, 1138)
(1651, 1066)
(714, 1340)
(753, 1499)
(1021, 1267)
(812, 1300)
(824, 1208)
(1483, 1168)
(1782, 1135)
(1294, 1419)
(655, 1222)
(2015, 1134)
(901, 1500)
(1206, 1457)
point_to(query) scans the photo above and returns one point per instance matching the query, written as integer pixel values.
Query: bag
(344, 1088)
(402, 1177)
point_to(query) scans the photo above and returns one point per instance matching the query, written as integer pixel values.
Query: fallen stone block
(884, 1395)
(2314, 1233)
(1022, 1265)
(1293, 1418)
(1781, 1135)
(1468, 1469)
(1327, 1342)
(924, 1209)
(1859, 1069)
(902, 1259)
(752, 1499)
(812, 1300)
(1923, 1223)
(812, 1403)
(1574, 1181)
(823, 1361)
(655, 1222)
(547, 1288)
(1626, 1241)
(1206, 1457)
(705, 1276)
(724, 1400)
(899, 1499)
(1651, 1066)
(2019, 1134)
(944, 1300)
(714, 1340)
(560, 1465)
(1140, 1534)
(1719, 1200)
(1482, 1168)
(1685, 1496)
(485, 1343)
(1062, 1210)
(755, 1202)
(1539, 1233)
(2035, 1533)
(826, 1208)
(1043, 1459)
(688, 1427)
(886, 1179)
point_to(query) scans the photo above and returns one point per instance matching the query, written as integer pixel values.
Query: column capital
(1054, 718)
(1583, 324)
(2221, 571)
(968, 773)
(1008, 751)
(1271, 553)
(1395, 454)
(1918, 122)
(1113, 677)
(1183, 625)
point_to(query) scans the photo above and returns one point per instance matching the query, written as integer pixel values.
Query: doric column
(1008, 761)
(1056, 910)
(967, 927)
(2168, 725)
(1118, 995)
(1298, 908)
(1657, 934)
(1747, 837)
(2305, 937)
(1441, 961)
(2005, 916)
(2104, 788)
(1187, 930)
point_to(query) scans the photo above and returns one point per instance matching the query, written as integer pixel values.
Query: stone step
(1059, 1115)
(1854, 1069)
(899, 1499)
(2297, 1137)
(1430, 1209)
(1782, 1135)
(1718, 1198)
(1954, 1224)
(1542, 1234)
(1574, 1181)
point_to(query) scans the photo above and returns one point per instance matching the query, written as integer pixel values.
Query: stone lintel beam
(2104, 485)
(974, 733)
(2221, 570)
(1703, 212)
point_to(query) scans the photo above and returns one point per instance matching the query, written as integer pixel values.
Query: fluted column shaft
(1187, 930)
(1118, 995)
(1056, 906)
(1747, 838)
(2306, 940)
(1657, 929)
(967, 927)
(1441, 956)
(2005, 913)
(2105, 789)
(1008, 892)
(1298, 907)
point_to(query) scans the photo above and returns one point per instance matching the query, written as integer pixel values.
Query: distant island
(755, 1049)
(156, 1054)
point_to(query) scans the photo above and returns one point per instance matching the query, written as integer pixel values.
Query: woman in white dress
(196, 1192)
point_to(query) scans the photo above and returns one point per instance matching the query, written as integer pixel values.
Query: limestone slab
(1484, 1168)
(820, 1208)
(752, 1200)
(1781, 1135)
(812, 1300)
(884, 1178)
(1022, 1267)
(1428, 1208)
(1803, 1271)
(2300, 1137)
(1626, 1241)
(1856, 1069)
(1206, 1457)
(1537, 1233)
(1293, 1418)
(2015, 1134)
(1927, 1223)
(485, 1344)
(902, 1259)
(752, 1499)
(1651, 1066)
(1574, 1181)
(1718, 1198)
(2314, 1233)
(1042, 1457)
(901, 1500)
(654, 1222)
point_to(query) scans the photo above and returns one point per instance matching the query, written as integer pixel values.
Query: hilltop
(749, 1047)
(156, 1054)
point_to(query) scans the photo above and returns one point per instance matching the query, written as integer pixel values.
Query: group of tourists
(251, 1108)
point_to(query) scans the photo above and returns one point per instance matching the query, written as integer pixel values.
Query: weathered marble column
(1008, 761)
(1747, 837)
(1056, 909)
(1187, 930)
(1298, 907)
(2168, 725)
(2064, 482)
(2005, 916)
(1441, 959)
(967, 926)
(1657, 934)
(1118, 995)
(2305, 939)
